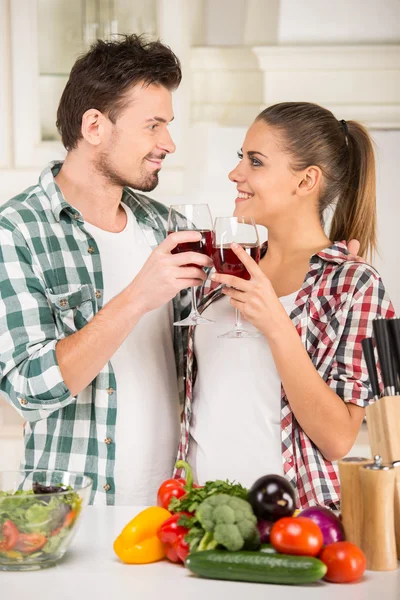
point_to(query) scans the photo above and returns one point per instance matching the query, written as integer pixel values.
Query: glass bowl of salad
(39, 515)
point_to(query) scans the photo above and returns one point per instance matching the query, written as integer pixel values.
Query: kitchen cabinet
(46, 37)
(39, 42)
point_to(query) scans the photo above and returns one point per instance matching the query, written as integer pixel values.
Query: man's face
(132, 149)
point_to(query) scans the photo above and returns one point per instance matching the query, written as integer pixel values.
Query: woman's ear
(310, 181)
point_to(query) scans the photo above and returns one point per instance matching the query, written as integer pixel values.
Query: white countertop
(91, 569)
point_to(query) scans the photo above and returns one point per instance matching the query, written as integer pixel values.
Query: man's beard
(145, 182)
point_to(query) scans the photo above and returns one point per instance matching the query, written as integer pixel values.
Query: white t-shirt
(147, 428)
(236, 420)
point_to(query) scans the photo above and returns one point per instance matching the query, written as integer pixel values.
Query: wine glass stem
(194, 300)
(239, 324)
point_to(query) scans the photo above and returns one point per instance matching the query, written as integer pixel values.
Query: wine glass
(243, 231)
(192, 217)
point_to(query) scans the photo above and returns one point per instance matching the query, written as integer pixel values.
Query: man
(88, 353)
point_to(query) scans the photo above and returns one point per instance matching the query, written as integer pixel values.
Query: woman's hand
(255, 299)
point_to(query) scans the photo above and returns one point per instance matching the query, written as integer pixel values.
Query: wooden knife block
(383, 422)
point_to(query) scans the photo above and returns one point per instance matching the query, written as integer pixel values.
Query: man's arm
(39, 374)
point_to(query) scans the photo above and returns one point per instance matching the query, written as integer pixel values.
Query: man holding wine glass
(88, 352)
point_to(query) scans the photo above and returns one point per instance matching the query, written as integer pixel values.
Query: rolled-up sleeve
(349, 374)
(30, 377)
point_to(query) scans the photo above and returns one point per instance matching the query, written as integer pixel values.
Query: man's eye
(152, 127)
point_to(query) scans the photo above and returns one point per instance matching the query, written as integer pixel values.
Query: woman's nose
(236, 175)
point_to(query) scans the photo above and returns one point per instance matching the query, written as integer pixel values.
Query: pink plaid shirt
(333, 312)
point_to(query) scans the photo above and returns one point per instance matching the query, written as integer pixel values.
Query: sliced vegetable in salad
(35, 522)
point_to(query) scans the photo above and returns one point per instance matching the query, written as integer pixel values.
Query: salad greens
(34, 523)
(194, 497)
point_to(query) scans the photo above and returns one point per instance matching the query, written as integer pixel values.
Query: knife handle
(369, 355)
(382, 339)
(394, 330)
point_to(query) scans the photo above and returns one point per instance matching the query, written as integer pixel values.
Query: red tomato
(10, 534)
(30, 542)
(70, 518)
(297, 535)
(345, 562)
(169, 489)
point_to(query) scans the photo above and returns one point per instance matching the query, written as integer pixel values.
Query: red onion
(264, 529)
(330, 525)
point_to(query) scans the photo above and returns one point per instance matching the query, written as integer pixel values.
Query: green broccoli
(227, 521)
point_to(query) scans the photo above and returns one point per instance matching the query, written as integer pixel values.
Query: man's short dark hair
(100, 78)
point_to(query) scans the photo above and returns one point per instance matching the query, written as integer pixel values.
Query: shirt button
(110, 391)
(23, 401)
(107, 487)
(98, 294)
(90, 249)
(108, 441)
(289, 460)
(76, 216)
(63, 302)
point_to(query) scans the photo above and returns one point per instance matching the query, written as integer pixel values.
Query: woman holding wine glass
(290, 401)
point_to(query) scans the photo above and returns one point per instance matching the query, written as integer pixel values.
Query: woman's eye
(240, 155)
(255, 162)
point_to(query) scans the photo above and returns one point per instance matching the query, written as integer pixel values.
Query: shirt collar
(337, 253)
(52, 191)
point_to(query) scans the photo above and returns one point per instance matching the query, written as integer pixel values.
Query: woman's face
(265, 183)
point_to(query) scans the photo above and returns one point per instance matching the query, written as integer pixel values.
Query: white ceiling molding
(231, 85)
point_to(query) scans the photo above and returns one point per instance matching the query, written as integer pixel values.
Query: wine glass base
(239, 334)
(193, 319)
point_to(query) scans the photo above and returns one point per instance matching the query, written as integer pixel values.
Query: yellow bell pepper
(138, 542)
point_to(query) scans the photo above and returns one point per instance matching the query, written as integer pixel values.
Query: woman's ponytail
(355, 213)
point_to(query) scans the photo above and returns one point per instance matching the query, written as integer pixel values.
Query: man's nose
(167, 143)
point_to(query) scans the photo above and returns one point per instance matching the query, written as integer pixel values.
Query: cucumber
(256, 567)
(267, 549)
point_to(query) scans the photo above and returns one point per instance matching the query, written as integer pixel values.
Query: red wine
(204, 246)
(226, 261)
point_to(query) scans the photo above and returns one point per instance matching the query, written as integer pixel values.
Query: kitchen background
(238, 56)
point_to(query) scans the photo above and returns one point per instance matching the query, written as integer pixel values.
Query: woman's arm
(331, 423)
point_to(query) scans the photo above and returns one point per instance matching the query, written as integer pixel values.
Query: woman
(291, 401)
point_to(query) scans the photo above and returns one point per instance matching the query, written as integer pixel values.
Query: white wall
(388, 208)
(339, 21)
(234, 22)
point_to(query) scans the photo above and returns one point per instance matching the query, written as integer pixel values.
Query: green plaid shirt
(51, 285)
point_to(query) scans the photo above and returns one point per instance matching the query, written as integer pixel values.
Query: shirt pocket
(325, 316)
(73, 307)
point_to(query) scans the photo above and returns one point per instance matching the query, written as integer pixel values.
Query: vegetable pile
(35, 523)
(224, 531)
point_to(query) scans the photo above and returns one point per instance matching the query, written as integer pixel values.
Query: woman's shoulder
(360, 282)
(355, 273)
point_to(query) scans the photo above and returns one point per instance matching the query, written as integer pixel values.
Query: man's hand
(354, 247)
(164, 274)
